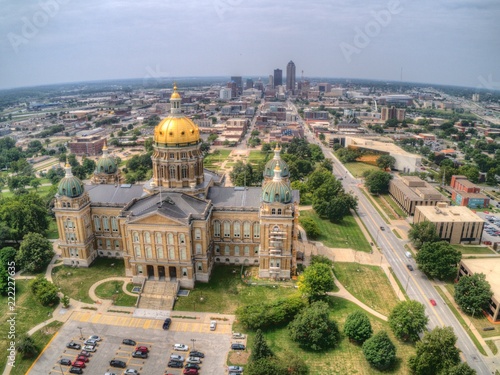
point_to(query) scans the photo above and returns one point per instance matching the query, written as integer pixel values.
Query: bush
(379, 351)
(44, 291)
(357, 327)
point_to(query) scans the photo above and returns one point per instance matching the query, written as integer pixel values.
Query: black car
(196, 353)
(410, 267)
(175, 364)
(129, 342)
(75, 370)
(192, 365)
(237, 347)
(73, 345)
(65, 362)
(166, 323)
(139, 354)
(117, 363)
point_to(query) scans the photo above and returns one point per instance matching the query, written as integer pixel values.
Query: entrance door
(172, 272)
(151, 272)
(161, 272)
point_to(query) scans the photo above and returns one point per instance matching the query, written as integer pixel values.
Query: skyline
(60, 41)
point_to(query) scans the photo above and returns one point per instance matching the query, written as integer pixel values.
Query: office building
(290, 76)
(392, 113)
(411, 191)
(278, 77)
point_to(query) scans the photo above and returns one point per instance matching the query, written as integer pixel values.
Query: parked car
(131, 371)
(190, 371)
(213, 325)
(192, 365)
(139, 354)
(129, 342)
(65, 361)
(237, 335)
(73, 345)
(194, 360)
(175, 357)
(89, 348)
(85, 353)
(181, 347)
(175, 364)
(237, 347)
(237, 369)
(117, 363)
(95, 338)
(410, 267)
(110, 373)
(90, 342)
(75, 370)
(82, 358)
(80, 364)
(195, 353)
(166, 323)
(143, 349)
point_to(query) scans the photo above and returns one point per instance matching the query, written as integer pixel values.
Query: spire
(175, 102)
(67, 168)
(277, 173)
(105, 148)
(277, 151)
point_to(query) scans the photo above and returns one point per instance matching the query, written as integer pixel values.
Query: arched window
(158, 238)
(184, 272)
(139, 269)
(237, 251)
(137, 250)
(117, 244)
(171, 253)
(226, 250)
(149, 252)
(198, 248)
(105, 223)
(159, 252)
(172, 172)
(99, 243)
(184, 171)
(182, 239)
(256, 250)
(108, 243)
(170, 239)
(217, 249)
(97, 223)
(227, 229)
(237, 229)
(147, 237)
(217, 228)
(135, 237)
(256, 230)
(247, 250)
(246, 229)
(183, 253)
(197, 234)
(114, 224)
(199, 265)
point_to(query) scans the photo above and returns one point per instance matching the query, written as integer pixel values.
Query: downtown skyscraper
(290, 76)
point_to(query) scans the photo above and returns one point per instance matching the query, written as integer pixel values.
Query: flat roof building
(455, 224)
(411, 191)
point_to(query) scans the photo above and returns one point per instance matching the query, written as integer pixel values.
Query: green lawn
(389, 199)
(372, 202)
(492, 345)
(369, 284)
(346, 358)
(385, 206)
(113, 290)
(52, 232)
(29, 314)
(257, 157)
(473, 249)
(357, 168)
(214, 159)
(345, 234)
(41, 190)
(226, 292)
(76, 282)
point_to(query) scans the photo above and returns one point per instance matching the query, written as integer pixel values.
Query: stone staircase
(158, 295)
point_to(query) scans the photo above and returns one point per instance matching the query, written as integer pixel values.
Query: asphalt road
(418, 287)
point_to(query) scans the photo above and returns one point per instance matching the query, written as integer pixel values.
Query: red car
(143, 349)
(82, 358)
(433, 303)
(190, 371)
(79, 364)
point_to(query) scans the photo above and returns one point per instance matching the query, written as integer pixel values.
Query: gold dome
(176, 131)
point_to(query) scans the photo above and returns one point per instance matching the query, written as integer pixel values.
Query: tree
(26, 346)
(379, 351)
(313, 329)
(316, 259)
(44, 291)
(310, 226)
(316, 280)
(407, 320)
(294, 364)
(438, 260)
(336, 208)
(436, 352)
(7, 255)
(386, 161)
(35, 183)
(377, 182)
(421, 233)
(4, 281)
(34, 253)
(357, 327)
(473, 293)
(88, 165)
(65, 301)
(260, 349)
(461, 369)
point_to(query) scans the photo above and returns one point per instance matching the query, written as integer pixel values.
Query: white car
(181, 347)
(90, 342)
(213, 325)
(110, 373)
(130, 371)
(178, 358)
(89, 348)
(95, 338)
(237, 335)
(194, 360)
(237, 369)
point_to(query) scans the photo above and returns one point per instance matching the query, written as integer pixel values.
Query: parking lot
(214, 344)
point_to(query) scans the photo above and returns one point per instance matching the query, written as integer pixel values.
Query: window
(197, 234)
(171, 253)
(105, 223)
(237, 251)
(279, 211)
(117, 244)
(159, 252)
(246, 229)
(135, 237)
(99, 243)
(108, 243)
(198, 248)
(216, 228)
(184, 171)
(237, 229)
(217, 249)
(182, 239)
(158, 238)
(184, 272)
(199, 265)
(147, 237)
(97, 223)
(183, 253)
(139, 269)
(247, 250)
(114, 224)
(183, 155)
(137, 251)
(273, 211)
(170, 239)
(171, 155)
(149, 252)
(226, 250)
(171, 170)
(69, 224)
(227, 229)
(256, 250)
(256, 230)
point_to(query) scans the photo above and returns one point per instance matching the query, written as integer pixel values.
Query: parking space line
(146, 324)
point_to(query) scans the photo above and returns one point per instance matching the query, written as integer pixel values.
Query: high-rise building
(278, 77)
(239, 84)
(290, 76)
(249, 84)
(387, 113)
(234, 89)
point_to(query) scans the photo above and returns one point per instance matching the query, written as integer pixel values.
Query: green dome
(276, 161)
(70, 186)
(277, 190)
(106, 165)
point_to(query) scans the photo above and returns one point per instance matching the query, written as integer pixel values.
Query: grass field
(385, 206)
(257, 157)
(113, 290)
(345, 234)
(473, 249)
(492, 345)
(357, 169)
(372, 202)
(346, 358)
(388, 198)
(76, 282)
(369, 284)
(29, 314)
(216, 158)
(6, 193)
(226, 292)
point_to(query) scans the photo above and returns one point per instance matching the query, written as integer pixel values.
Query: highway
(417, 284)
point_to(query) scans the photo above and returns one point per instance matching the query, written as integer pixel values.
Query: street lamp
(193, 341)
(81, 334)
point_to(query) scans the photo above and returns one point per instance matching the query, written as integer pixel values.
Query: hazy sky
(447, 41)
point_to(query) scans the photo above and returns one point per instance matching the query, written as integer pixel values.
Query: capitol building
(182, 221)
